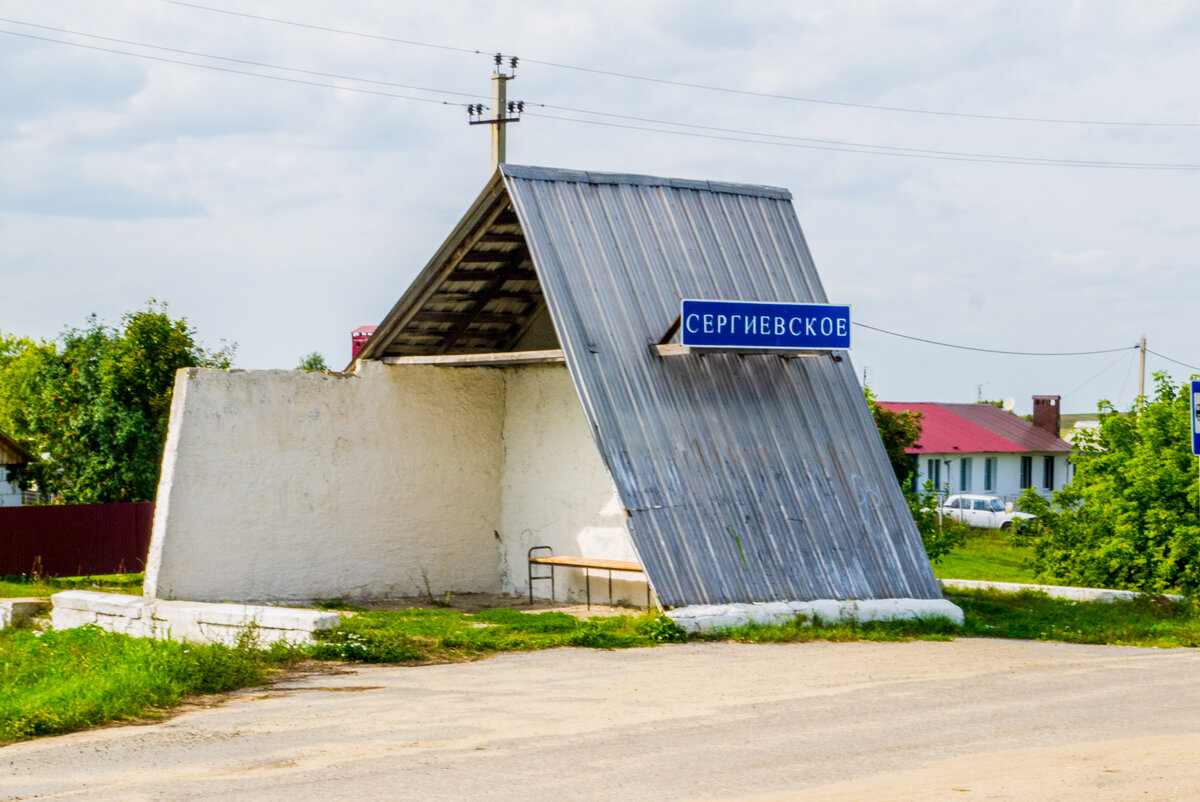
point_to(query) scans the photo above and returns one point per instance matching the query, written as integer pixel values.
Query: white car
(981, 512)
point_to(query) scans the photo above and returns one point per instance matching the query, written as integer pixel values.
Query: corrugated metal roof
(975, 428)
(747, 478)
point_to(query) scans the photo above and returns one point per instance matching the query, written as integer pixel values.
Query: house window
(914, 468)
(933, 473)
(964, 474)
(989, 475)
(1026, 472)
(1048, 473)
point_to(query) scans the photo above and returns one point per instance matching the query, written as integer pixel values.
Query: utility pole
(1142, 371)
(502, 111)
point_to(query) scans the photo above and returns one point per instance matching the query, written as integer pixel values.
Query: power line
(701, 86)
(326, 29)
(216, 68)
(994, 350)
(226, 58)
(1104, 370)
(854, 147)
(903, 150)
(718, 133)
(1169, 359)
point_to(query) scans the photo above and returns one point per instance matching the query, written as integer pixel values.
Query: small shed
(518, 395)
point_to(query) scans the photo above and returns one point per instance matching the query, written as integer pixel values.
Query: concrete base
(1054, 591)
(13, 611)
(199, 622)
(709, 617)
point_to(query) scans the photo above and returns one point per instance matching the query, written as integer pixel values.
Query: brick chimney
(1046, 411)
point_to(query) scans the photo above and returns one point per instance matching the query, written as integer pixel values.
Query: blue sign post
(1196, 417)
(756, 325)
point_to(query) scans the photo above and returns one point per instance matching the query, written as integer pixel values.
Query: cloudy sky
(1017, 176)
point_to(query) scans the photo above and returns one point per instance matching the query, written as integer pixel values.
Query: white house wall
(10, 492)
(1008, 472)
(556, 490)
(286, 485)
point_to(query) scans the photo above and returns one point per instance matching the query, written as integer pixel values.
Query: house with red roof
(980, 448)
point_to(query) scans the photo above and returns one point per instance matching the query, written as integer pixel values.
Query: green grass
(14, 586)
(989, 556)
(56, 682)
(74, 679)
(1145, 621)
(438, 636)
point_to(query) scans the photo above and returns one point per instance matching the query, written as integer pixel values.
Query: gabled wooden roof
(11, 452)
(478, 294)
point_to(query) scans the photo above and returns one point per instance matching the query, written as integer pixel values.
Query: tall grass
(59, 681)
(427, 636)
(1031, 615)
(42, 586)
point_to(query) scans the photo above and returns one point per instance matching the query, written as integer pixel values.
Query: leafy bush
(1129, 518)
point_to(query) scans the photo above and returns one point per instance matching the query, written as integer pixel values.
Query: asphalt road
(970, 719)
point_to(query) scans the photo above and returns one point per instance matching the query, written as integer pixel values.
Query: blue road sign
(1196, 417)
(754, 325)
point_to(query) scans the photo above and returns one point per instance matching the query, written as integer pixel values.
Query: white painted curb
(709, 617)
(198, 622)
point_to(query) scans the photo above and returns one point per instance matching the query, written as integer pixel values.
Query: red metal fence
(75, 539)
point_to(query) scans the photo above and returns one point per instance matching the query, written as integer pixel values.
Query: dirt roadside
(979, 719)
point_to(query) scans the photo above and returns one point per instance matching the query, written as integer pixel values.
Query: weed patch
(60, 681)
(13, 586)
(427, 636)
(802, 630)
(1032, 615)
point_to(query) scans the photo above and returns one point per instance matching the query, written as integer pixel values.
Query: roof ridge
(534, 173)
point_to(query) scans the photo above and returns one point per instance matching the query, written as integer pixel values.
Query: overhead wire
(230, 59)
(855, 147)
(994, 350)
(233, 71)
(695, 130)
(701, 86)
(1106, 369)
(1169, 359)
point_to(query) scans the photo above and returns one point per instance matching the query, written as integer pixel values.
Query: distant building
(11, 456)
(979, 448)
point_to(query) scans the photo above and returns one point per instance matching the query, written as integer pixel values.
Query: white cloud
(282, 216)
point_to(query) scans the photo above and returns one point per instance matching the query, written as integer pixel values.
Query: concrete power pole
(1142, 371)
(502, 111)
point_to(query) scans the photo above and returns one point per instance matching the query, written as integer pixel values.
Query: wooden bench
(586, 563)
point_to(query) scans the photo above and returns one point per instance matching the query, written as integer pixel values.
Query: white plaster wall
(556, 490)
(288, 486)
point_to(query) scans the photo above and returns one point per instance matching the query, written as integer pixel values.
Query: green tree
(1128, 519)
(899, 431)
(95, 403)
(313, 361)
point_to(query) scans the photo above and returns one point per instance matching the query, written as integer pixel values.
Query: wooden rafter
(484, 296)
